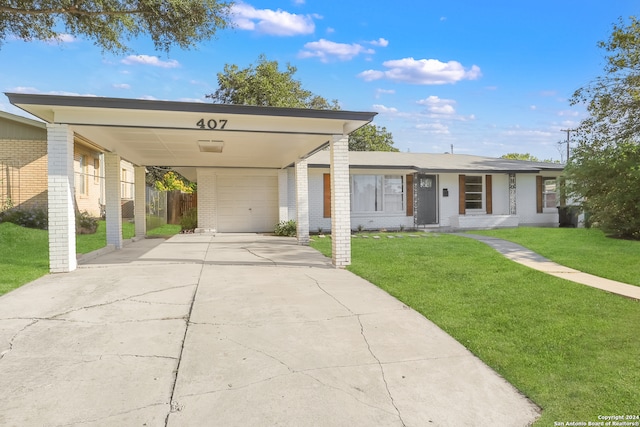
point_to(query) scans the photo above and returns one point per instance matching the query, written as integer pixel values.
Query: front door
(427, 199)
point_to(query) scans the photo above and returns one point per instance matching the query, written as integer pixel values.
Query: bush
(30, 218)
(85, 223)
(286, 228)
(189, 221)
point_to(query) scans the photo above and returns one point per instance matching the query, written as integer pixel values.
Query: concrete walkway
(233, 330)
(524, 256)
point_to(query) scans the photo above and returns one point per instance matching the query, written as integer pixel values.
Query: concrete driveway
(233, 330)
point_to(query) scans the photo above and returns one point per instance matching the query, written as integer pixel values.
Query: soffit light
(210, 145)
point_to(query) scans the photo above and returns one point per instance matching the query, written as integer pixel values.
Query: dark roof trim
(177, 106)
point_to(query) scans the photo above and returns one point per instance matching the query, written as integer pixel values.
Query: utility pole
(568, 131)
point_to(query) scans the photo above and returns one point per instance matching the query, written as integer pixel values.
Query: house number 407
(212, 124)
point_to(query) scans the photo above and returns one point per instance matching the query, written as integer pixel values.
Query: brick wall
(23, 165)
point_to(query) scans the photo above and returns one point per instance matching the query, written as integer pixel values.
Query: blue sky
(489, 77)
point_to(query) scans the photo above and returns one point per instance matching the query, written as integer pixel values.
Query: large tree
(111, 23)
(264, 84)
(604, 169)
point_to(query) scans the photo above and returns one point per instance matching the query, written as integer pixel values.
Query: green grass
(24, 255)
(571, 349)
(24, 252)
(587, 250)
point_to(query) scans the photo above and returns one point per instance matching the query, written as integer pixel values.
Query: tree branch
(73, 10)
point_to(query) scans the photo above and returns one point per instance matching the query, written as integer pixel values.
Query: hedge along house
(238, 155)
(443, 191)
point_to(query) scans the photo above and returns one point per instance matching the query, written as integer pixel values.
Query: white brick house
(450, 191)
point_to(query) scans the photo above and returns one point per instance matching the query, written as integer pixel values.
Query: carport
(197, 139)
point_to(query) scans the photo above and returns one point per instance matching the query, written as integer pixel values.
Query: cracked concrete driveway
(233, 330)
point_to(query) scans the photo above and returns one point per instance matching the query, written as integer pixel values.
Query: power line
(568, 131)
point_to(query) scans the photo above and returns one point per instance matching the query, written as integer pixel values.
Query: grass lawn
(571, 349)
(24, 252)
(587, 250)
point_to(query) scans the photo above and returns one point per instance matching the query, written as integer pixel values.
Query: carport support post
(302, 202)
(340, 201)
(140, 201)
(112, 195)
(62, 218)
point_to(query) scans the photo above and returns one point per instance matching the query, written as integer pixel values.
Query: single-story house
(23, 168)
(393, 190)
(257, 166)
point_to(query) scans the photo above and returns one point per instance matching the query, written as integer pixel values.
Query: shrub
(85, 223)
(286, 228)
(30, 218)
(189, 221)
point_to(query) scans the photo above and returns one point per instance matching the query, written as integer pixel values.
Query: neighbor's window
(549, 193)
(473, 192)
(377, 193)
(82, 175)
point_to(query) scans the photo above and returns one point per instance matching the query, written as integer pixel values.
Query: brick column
(140, 201)
(340, 202)
(62, 219)
(283, 195)
(302, 202)
(112, 199)
(207, 201)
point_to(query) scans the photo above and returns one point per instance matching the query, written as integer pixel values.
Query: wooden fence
(178, 204)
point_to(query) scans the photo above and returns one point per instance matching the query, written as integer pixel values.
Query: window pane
(473, 192)
(367, 193)
(393, 203)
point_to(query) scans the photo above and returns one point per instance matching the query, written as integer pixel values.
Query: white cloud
(568, 113)
(423, 72)
(148, 97)
(384, 92)
(24, 89)
(150, 60)
(121, 86)
(437, 128)
(325, 50)
(380, 42)
(436, 105)
(272, 22)
(385, 110)
(61, 38)
(330, 30)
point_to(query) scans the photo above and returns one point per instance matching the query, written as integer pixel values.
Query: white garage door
(247, 203)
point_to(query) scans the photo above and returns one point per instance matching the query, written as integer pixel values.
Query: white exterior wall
(207, 206)
(375, 220)
(526, 201)
(500, 193)
(448, 205)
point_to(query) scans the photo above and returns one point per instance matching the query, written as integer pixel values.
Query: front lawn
(571, 349)
(587, 250)
(24, 252)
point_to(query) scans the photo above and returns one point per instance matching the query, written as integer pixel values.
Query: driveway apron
(233, 330)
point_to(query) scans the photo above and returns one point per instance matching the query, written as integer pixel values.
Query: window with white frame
(377, 193)
(549, 193)
(473, 192)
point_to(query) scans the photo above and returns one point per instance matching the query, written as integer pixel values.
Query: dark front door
(427, 199)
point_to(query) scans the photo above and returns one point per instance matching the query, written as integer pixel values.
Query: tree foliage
(371, 138)
(110, 23)
(173, 181)
(263, 84)
(604, 170)
(613, 100)
(607, 181)
(520, 156)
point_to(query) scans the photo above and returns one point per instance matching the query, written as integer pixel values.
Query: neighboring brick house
(23, 168)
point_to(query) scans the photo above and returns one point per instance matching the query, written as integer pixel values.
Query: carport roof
(184, 134)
